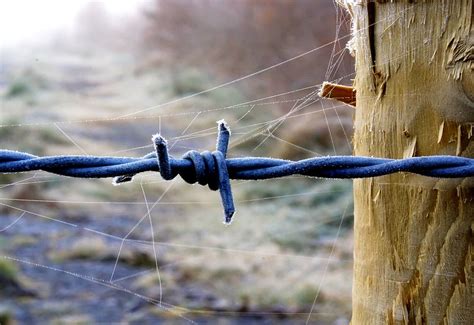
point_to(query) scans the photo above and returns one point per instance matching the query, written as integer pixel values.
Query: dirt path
(80, 290)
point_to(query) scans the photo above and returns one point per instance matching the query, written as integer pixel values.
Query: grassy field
(290, 244)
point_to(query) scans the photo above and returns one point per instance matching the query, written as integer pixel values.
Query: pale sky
(25, 20)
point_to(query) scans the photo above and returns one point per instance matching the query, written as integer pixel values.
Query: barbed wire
(215, 170)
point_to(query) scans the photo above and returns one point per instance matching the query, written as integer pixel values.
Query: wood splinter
(345, 94)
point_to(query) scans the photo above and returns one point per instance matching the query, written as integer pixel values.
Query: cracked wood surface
(414, 235)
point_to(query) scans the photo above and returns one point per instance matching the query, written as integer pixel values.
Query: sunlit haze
(29, 20)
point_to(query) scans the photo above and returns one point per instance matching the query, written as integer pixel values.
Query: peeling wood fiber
(414, 235)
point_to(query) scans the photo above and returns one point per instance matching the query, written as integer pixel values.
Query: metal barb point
(161, 148)
(223, 137)
(159, 140)
(119, 180)
(200, 163)
(215, 170)
(228, 217)
(225, 189)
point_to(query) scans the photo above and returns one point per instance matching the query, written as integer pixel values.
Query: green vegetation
(18, 88)
(8, 270)
(189, 82)
(305, 296)
(309, 211)
(6, 317)
(97, 249)
(256, 263)
(33, 140)
(25, 85)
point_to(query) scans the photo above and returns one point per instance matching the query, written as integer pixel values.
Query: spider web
(158, 249)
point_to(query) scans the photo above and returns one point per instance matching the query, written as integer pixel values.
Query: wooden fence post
(414, 242)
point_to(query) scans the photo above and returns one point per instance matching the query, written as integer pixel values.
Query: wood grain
(414, 235)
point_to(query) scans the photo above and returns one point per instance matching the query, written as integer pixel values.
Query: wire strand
(215, 170)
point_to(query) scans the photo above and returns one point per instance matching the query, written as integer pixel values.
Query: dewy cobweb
(214, 170)
(259, 250)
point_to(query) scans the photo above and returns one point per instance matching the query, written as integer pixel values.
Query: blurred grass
(35, 141)
(187, 82)
(8, 271)
(6, 317)
(312, 217)
(288, 218)
(18, 88)
(26, 87)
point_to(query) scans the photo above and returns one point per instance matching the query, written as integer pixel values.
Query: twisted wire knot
(208, 168)
(214, 169)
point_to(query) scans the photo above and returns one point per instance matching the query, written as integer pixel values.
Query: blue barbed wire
(215, 169)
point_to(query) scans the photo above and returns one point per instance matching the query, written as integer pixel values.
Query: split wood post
(414, 242)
